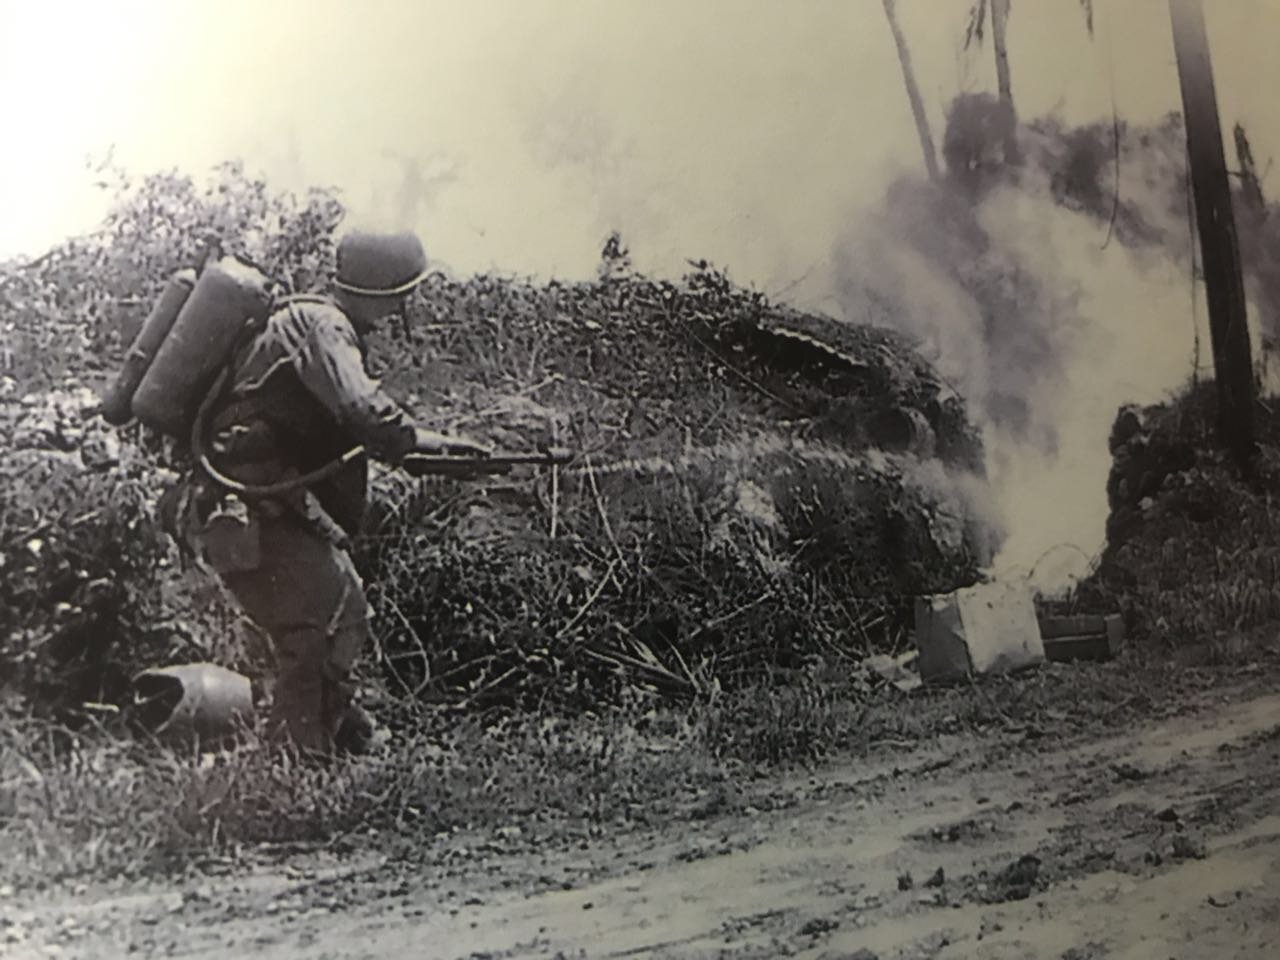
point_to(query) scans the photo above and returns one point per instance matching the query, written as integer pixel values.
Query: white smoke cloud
(1045, 328)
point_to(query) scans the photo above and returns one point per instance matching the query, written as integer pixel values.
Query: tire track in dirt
(1122, 847)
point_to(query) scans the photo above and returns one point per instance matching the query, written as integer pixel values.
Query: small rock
(1168, 815)
(1186, 848)
(100, 451)
(818, 926)
(905, 881)
(1023, 870)
(1092, 951)
(1127, 771)
(1016, 881)
(937, 880)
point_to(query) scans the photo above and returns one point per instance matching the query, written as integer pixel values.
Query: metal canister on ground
(193, 698)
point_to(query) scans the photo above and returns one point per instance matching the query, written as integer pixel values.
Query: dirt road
(1158, 842)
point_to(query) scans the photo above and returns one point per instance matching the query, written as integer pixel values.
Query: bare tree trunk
(913, 90)
(1249, 173)
(1253, 215)
(1219, 244)
(999, 20)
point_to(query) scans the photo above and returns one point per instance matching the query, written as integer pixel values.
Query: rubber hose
(255, 489)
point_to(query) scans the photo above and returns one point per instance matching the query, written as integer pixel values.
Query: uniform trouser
(306, 594)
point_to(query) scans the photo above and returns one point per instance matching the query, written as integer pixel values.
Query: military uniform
(298, 397)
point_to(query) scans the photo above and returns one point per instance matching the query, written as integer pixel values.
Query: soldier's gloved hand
(466, 447)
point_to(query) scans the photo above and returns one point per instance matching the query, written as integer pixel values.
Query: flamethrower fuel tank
(229, 295)
(117, 402)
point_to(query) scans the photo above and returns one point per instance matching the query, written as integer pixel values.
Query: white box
(988, 628)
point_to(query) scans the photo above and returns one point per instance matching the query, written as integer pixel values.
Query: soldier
(299, 397)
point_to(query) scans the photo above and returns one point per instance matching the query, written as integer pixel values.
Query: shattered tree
(913, 90)
(1219, 245)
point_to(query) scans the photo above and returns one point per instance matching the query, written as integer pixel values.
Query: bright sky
(516, 134)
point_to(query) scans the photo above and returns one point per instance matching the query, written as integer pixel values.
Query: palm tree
(913, 90)
(999, 22)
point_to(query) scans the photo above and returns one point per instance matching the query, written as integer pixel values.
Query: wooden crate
(1082, 637)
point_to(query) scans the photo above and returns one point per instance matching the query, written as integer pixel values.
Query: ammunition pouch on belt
(247, 448)
(224, 530)
(230, 538)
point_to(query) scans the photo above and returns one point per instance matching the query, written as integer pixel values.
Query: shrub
(89, 589)
(681, 574)
(684, 556)
(79, 558)
(1191, 556)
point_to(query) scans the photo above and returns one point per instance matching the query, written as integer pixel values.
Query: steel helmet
(380, 264)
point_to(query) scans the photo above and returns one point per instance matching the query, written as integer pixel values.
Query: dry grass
(669, 625)
(88, 805)
(679, 573)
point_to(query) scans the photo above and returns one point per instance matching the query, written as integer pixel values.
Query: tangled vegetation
(79, 557)
(755, 487)
(1192, 557)
(758, 493)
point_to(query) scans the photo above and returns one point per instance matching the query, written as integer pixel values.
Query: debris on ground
(1014, 882)
(1082, 637)
(1186, 847)
(895, 670)
(1127, 771)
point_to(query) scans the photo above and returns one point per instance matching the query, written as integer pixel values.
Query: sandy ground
(1158, 842)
